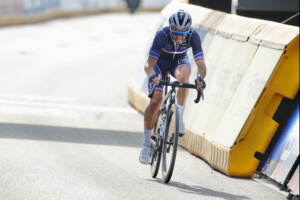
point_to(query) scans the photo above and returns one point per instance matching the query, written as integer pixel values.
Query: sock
(180, 109)
(147, 135)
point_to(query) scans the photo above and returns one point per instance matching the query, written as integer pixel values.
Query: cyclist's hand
(200, 83)
(154, 79)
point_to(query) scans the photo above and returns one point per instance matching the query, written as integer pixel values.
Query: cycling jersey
(163, 46)
(168, 58)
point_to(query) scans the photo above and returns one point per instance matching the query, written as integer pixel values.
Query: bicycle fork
(161, 131)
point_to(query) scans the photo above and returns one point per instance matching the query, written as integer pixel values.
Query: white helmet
(181, 20)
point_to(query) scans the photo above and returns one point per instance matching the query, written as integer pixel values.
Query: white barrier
(10, 8)
(225, 72)
(29, 7)
(14, 12)
(71, 5)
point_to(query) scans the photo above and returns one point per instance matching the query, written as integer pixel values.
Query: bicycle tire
(155, 152)
(172, 131)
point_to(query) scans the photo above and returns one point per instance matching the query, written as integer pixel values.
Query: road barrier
(10, 8)
(252, 64)
(14, 12)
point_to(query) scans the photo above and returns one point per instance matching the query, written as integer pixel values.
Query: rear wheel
(169, 149)
(156, 147)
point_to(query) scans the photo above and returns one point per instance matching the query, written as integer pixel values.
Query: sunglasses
(176, 33)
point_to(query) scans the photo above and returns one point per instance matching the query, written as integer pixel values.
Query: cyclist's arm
(198, 54)
(201, 68)
(149, 67)
(155, 51)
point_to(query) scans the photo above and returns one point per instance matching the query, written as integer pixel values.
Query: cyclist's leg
(149, 119)
(182, 73)
(155, 101)
(152, 109)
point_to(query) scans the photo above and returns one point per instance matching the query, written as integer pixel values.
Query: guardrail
(14, 12)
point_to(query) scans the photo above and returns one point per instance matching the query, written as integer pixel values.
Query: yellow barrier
(260, 127)
(252, 64)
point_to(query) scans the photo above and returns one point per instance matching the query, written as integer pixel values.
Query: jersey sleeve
(158, 42)
(196, 46)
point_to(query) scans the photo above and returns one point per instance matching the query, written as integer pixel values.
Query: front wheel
(156, 147)
(169, 150)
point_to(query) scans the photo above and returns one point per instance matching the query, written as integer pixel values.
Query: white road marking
(67, 104)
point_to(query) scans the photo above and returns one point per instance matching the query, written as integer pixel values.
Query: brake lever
(199, 94)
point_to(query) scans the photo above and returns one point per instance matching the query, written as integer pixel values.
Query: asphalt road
(67, 131)
(40, 162)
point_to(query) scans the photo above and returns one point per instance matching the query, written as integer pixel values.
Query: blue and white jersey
(163, 46)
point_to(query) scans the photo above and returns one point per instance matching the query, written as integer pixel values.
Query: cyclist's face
(178, 36)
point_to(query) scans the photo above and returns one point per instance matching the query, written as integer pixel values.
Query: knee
(183, 78)
(182, 74)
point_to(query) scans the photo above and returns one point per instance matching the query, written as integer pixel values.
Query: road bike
(164, 137)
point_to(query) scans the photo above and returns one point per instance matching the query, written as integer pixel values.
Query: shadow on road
(201, 190)
(72, 135)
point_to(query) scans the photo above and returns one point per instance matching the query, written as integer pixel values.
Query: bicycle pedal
(181, 134)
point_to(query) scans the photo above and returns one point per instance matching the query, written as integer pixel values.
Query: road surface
(67, 131)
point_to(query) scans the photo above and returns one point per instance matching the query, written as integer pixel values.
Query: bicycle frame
(168, 97)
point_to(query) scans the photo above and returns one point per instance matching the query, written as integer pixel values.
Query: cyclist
(169, 54)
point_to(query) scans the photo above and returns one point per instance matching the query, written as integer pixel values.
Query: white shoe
(145, 155)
